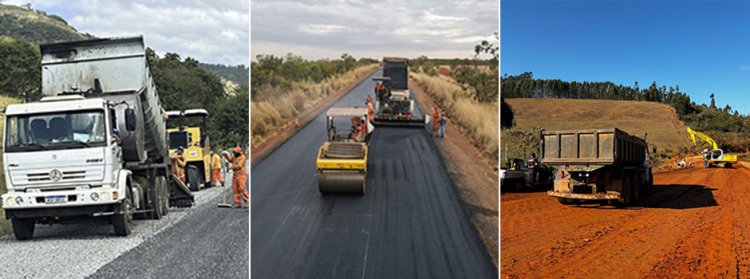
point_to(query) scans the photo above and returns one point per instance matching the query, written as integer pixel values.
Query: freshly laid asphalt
(211, 242)
(410, 223)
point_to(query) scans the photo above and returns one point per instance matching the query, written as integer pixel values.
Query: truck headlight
(19, 200)
(104, 196)
(9, 201)
(94, 196)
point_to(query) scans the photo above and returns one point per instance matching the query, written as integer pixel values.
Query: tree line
(182, 84)
(702, 117)
(283, 72)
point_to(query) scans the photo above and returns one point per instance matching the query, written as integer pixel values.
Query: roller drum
(341, 183)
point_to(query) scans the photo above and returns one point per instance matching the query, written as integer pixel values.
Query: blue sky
(702, 46)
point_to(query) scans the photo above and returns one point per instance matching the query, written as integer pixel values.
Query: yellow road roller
(341, 165)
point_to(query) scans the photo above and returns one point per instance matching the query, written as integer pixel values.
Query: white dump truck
(94, 147)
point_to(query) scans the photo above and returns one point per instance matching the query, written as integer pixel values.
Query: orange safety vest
(362, 132)
(370, 111)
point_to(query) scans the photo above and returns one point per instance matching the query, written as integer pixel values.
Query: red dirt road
(695, 224)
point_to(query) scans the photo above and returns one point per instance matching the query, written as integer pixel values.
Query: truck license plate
(55, 199)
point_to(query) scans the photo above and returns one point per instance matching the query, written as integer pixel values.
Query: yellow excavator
(715, 156)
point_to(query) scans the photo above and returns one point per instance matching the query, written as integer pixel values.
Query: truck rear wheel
(625, 195)
(160, 206)
(635, 189)
(23, 229)
(164, 195)
(518, 187)
(123, 218)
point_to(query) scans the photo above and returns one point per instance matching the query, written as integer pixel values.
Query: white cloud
(209, 31)
(327, 28)
(313, 28)
(744, 68)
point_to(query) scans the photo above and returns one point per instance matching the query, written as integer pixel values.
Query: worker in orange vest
(370, 110)
(362, 130)
(435, 117)
(213, 162)
(239, 178)
(355, 128)
(178, 163)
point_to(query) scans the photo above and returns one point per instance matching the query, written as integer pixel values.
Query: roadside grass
(269, 115)
(5, 227)
(477, 120)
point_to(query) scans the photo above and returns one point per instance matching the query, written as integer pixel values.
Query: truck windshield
(34, 132)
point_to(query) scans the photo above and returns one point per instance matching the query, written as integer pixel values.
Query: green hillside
(238, 74)
(35, 26)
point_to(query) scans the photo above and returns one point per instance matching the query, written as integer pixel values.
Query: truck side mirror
(130, 119)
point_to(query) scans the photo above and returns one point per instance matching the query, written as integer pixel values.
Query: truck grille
(67, 175)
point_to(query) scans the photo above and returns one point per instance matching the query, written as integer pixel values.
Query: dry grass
(634, 117)
(637, 118)
(477, 120)
(4, 224)
(269, 115)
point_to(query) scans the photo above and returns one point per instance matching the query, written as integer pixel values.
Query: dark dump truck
(396, 104)
(607, 165)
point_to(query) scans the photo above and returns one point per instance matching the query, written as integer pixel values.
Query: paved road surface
(202, 241)
(211, 242)
(410, 224)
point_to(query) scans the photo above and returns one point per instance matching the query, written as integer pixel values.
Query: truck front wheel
(23, 229)
(123, 218)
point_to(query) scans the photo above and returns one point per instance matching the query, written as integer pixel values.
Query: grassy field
(664, 129)
(4, 224)
(477, 120)
(269, 114)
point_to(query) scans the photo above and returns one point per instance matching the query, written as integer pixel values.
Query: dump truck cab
(187, 129)
(341, 163)
(94, 146)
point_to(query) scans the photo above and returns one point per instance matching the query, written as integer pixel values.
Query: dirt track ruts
(696, 223)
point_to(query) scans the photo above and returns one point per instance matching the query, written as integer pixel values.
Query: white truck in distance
(94, 147)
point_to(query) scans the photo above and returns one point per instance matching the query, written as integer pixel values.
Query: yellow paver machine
(187, 129)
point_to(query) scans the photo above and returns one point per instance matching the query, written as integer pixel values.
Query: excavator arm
(702, 136)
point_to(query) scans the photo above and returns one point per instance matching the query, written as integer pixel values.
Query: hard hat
(180, 148)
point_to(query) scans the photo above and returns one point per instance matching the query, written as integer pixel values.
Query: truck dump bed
(592, 148)
(396, 69)
(116, 70)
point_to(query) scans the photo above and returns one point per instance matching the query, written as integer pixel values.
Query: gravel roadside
(78, 250)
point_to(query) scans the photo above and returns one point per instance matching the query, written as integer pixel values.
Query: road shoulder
(475, 179)
(260, 151)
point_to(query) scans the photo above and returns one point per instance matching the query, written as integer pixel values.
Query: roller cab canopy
(334, 112)
(195, 112)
